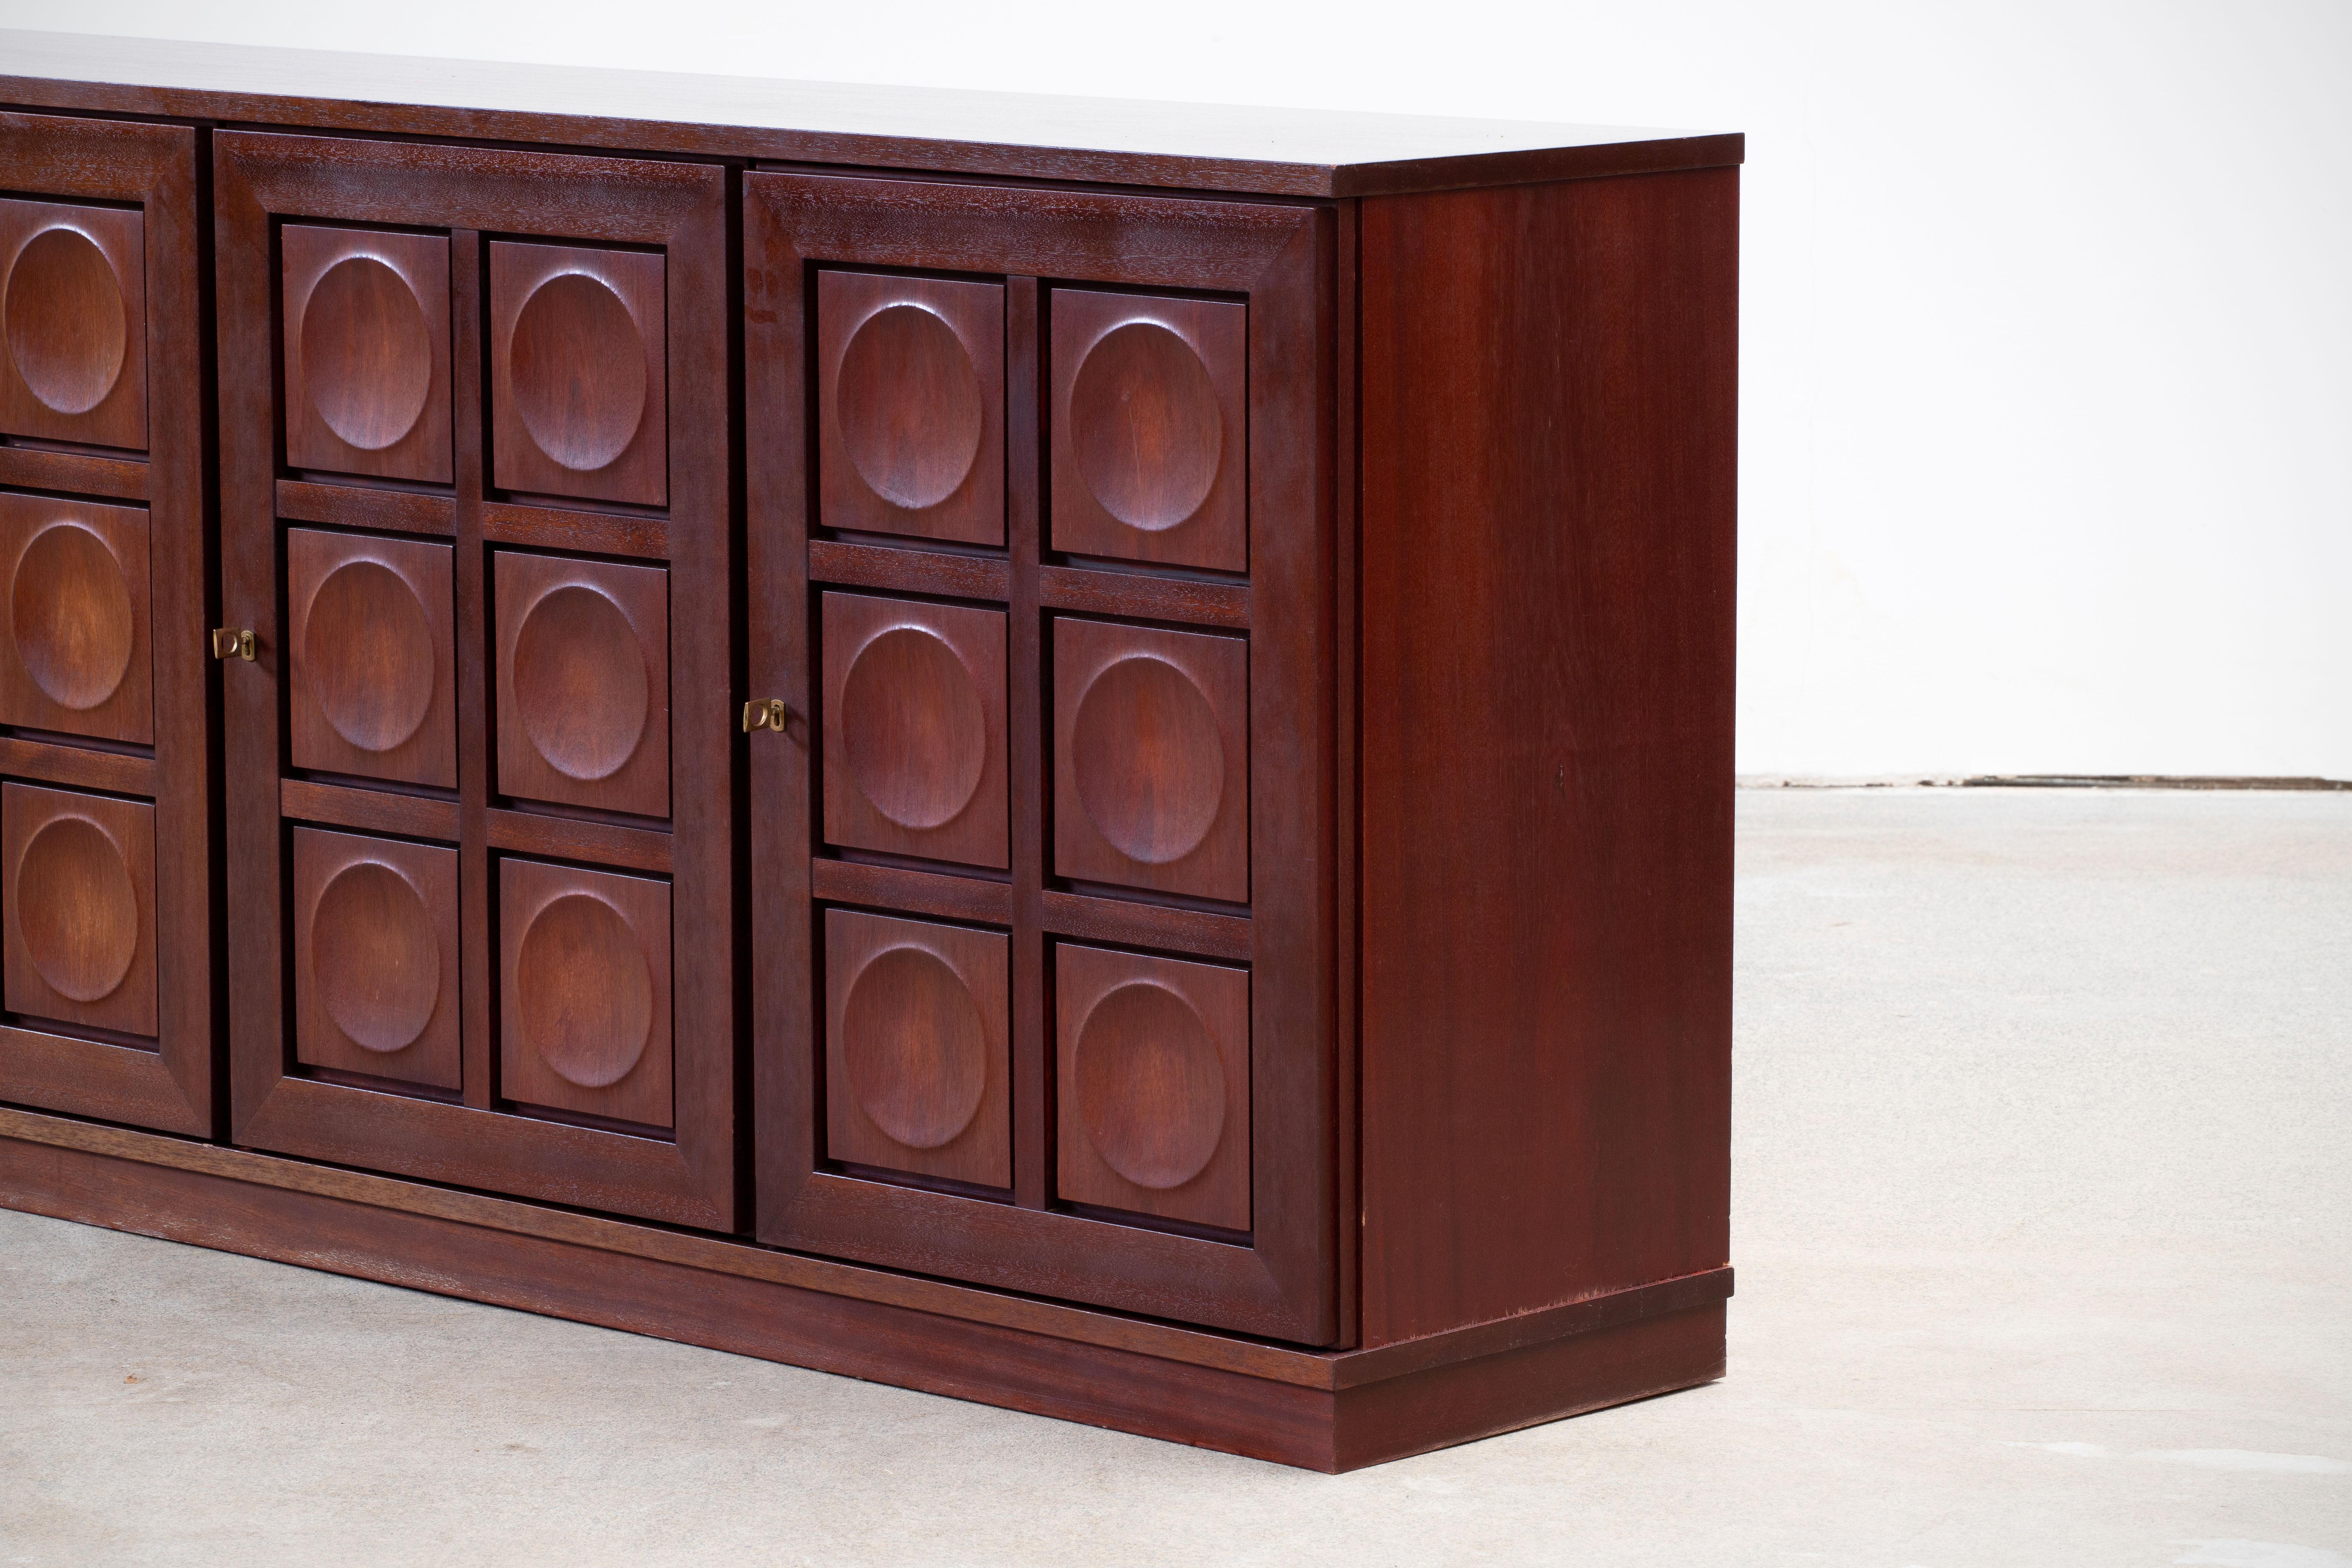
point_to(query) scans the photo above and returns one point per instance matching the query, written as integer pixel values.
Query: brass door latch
(233, 642)
(767, 715)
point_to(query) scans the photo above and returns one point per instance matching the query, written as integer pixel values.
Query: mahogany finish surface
(1547, 670)
(367, 351)
(579, 379)
(598, 1057)
(584, 682)
(80, 623)
(1327, 1410)
(1150, 438)
(105, 682)
(1274, 1272)
(915, 729)
(73, 319)
(373, 645)
(1151, 759)
(911, 405)
(918, 1067)
(376, 957)
(77, 914)
(1155, 849)
(1154, 1085)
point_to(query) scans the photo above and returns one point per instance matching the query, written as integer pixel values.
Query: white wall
(2048, 311)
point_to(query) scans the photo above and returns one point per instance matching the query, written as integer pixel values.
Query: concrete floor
(2043, 1223)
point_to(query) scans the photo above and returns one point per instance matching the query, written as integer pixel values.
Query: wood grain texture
(367, 351)
(81, 473)
(366, 507)
(116, 773)
(917, 1049)
(584, 682)
(1221, 147)
(1323, 1369)
(914, 727)
(1279, 259)
(1153, 1084)
(368, 810)
(1295, 1408)
(77, 920)
(1151, 431)
(951, 898)
(1152, 768)
(911, 405)
(73, 323)
(673, 213)
(579, 372)
(1133, 924)
(142, 175)
(80, 658)
(371, 628)
(585, 980)
(560, 527)
(376, 957)
(1546, 644)
(908, 571)
(1134, 595)
(551, 836)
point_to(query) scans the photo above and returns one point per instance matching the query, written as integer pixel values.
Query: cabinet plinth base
(1329, 1411)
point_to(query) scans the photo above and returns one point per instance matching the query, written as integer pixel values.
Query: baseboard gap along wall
(2031, 781)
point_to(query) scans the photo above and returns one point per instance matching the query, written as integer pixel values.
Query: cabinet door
(1045, 856)
(480, 771)
(107, 695)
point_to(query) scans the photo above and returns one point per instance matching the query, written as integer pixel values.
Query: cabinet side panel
(1549, 445)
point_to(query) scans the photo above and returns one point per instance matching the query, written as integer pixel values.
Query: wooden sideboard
(1071, 754)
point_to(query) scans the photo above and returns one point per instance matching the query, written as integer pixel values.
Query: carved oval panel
(367, 353)
(77, 908)
(1149, 762)
(915, 1046)
(376, 956)
(68, 331)
(914, 726)
(72, 616)
(1151, 1086)
(585, 991)
(371, 658)
(1146, 426)
(579, 683)
(578, 371)
(910, 404)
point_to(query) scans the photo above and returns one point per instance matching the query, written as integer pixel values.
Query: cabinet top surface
(1278, 152)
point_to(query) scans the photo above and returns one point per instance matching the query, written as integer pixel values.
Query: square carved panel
(1151, 759)
(918, 1063)
(584, 992)
(911, 405)
(375, 957)
(579, 372)
(367, 351)
(80, 907)
(1154, 1085)
(371, 641)
(1151, 428)
(584, 682)
(915, 729)
(73, 315)
(78, 658)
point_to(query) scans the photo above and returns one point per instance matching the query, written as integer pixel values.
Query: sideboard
(1072, 754)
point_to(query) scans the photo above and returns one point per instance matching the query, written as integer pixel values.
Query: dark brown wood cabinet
(109, 887)
(1099, 774)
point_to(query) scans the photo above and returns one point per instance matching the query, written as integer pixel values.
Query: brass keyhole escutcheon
(233, 642)
(770, 714)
